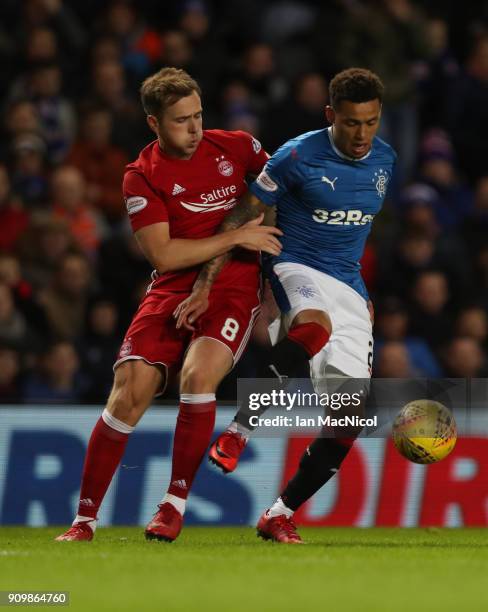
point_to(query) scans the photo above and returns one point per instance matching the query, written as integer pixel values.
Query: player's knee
(127, 406)
(312, 315)
(119, 404)
(126, 403)
(194, 379)
(312, 336)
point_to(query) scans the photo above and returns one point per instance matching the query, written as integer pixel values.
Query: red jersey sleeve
(144, 206)
(254, 154)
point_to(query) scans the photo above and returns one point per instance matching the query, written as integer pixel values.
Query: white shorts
(350, 347)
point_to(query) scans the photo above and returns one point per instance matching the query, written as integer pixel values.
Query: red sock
(312, 337)
(193, 432)
(103, 455)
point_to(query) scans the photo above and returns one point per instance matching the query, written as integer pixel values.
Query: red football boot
(278, 528)
(79, 532)
(165, 525)
(226, 451)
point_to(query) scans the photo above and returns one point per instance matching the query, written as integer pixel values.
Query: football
(424, 431)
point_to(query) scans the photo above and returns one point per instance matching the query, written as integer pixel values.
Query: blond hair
(165, 88)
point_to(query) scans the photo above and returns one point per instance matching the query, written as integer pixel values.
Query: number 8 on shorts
(230, 329)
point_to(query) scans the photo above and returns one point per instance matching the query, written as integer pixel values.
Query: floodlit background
(71, 275)
(70, 272)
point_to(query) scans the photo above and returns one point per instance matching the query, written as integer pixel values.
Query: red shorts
(153, 337)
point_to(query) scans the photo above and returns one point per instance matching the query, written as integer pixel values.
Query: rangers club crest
(224, 166)
(381, 178)
(306, 291)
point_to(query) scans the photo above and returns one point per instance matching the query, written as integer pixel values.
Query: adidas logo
(87, 502)
(179, 483)
(177, 189)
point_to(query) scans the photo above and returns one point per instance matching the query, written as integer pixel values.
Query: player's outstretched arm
(167, 254)
(247, 214)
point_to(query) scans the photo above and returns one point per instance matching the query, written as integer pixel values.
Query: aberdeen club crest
(224, 166)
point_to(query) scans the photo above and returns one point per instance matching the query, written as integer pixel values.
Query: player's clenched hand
(188, 311)
(256, 237)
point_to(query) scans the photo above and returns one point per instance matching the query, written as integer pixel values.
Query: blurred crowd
(71, 274)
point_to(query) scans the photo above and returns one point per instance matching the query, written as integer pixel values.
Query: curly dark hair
(355, 85)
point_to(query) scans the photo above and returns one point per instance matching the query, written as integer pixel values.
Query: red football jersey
(194, 196)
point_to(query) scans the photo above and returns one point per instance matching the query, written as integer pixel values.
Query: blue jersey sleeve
(279, 175)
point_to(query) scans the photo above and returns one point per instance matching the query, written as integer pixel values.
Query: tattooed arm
(247, 215)
(248, 209)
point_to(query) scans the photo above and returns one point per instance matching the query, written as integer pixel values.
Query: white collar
(340, 154)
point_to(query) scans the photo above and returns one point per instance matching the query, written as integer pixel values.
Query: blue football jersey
(325, 202)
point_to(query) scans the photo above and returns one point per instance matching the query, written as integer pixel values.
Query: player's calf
(135, 383)
(287, 358)
(319, 463)
(194, 427)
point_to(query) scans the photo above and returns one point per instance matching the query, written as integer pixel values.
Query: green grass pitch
(231, 570)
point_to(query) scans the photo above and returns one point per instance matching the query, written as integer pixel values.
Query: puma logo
(330, 182)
